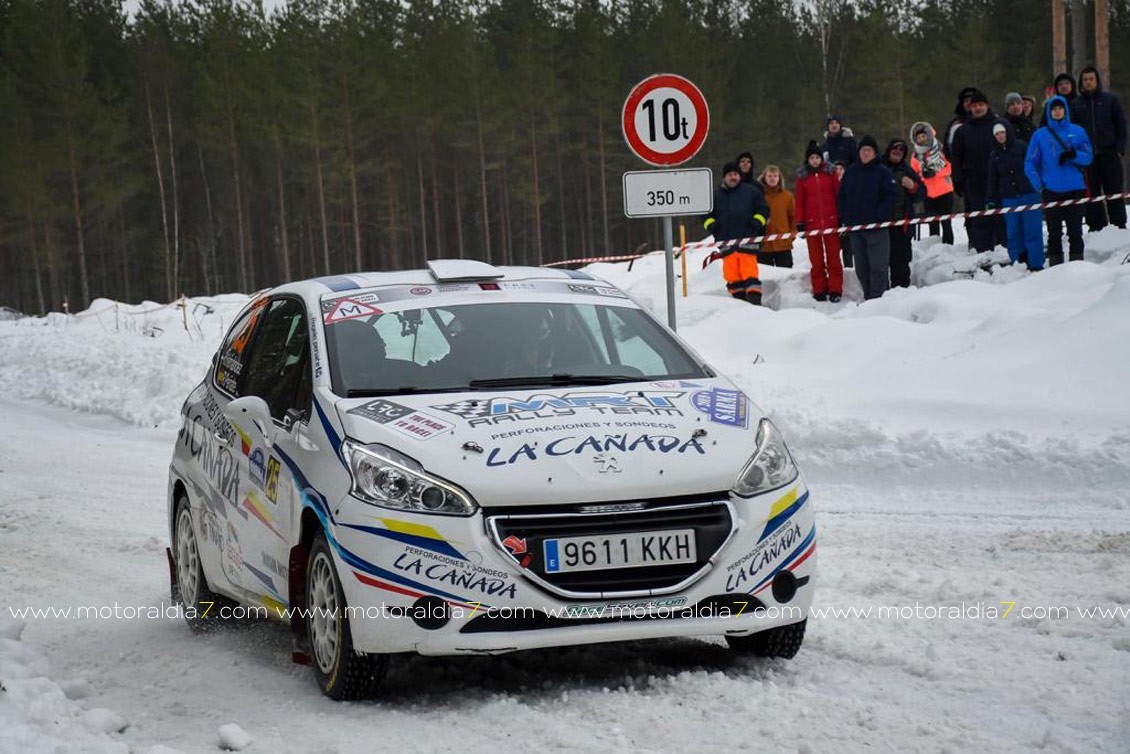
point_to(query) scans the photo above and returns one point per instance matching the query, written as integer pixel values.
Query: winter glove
(758, 227)
(800, 227)
(929, 172)
(990, 205)
(1067, 154)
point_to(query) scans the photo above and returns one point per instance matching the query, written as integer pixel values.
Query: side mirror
(252, 409)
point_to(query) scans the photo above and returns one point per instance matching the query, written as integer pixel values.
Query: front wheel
(342, 673)
(782, 641)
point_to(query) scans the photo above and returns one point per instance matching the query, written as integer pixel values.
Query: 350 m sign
(665, 119)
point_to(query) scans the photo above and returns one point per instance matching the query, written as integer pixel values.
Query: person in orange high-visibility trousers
(740, 211)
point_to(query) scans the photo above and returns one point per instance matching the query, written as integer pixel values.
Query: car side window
(233, 354)
(278, 365)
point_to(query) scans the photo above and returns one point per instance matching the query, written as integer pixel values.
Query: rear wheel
(782, 641)
(201, 604)
(342, 673)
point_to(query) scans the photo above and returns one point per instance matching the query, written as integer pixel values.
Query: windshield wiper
(402, 390)
(553, 379)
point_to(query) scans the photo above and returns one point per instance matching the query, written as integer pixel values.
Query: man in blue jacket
(1101, 116)
(867, 195)
(1054, 164)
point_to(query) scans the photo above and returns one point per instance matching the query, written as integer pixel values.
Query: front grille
(711, 521)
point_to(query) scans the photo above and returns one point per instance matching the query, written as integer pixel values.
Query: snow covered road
(95, 534)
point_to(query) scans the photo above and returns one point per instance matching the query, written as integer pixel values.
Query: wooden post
(683, 254)
(1059, 39)
(1102, 41)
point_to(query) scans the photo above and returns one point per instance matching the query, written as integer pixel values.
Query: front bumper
(400, 571)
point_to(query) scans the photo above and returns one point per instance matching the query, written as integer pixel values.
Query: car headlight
(382, 476)
(770, 467)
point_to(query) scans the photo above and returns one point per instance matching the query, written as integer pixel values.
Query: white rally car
(477, 459)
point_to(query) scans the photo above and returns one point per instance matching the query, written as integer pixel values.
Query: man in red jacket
(816, 189)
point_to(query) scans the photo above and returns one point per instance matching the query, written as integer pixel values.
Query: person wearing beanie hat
(839, 142)
(1064, 85)
(867, 195)
(1014, 111)
(1029, 107)
(1102, 117)
(1009, 187)
(816, 188)
(740, 211)
(745, 166)
(908, 193)
(972, 146)
(961, 114)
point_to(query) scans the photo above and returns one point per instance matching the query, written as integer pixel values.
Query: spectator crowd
(986, 160)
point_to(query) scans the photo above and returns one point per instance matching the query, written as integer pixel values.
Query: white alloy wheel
(324, 622)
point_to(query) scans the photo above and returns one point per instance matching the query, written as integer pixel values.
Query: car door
(277, 369)
(215, 452)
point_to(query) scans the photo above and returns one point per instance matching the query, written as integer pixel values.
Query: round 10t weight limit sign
(665, 119)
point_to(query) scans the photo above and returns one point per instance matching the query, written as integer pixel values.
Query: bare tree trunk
(124, 252)
(564, 251)
(588, 242)
(211, 249)
(358, 262)
(508, 239)
(483, 181)
(436, 212)
(537, 190)
(176, 192)
(31, 234)
(321, 193)
(1078, 36)
(80, 243)
(169, 270)
(458, 204)
(603, 176)
(244, 279)
(422, 221)
(52, 265)
(282, 204)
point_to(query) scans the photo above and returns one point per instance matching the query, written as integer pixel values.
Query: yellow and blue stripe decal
(253, 504)
(417, 535)
(782, 510)
(372, 575)
(267, 580)
(802, 553)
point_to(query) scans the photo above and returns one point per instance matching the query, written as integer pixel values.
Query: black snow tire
(782, 641)
(342, 673)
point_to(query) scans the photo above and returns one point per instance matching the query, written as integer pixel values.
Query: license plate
(630, 550)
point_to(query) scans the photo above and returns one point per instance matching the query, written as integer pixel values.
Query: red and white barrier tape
(852, 228)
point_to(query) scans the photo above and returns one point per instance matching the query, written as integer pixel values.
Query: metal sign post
(665, 121)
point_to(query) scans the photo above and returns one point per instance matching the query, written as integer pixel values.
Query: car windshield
(501, 345)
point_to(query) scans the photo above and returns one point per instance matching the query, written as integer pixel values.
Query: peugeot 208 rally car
(478, 459)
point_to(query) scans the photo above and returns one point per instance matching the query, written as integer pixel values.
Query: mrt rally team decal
(550, 405)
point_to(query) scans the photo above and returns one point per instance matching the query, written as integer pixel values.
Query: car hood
(569, 445)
